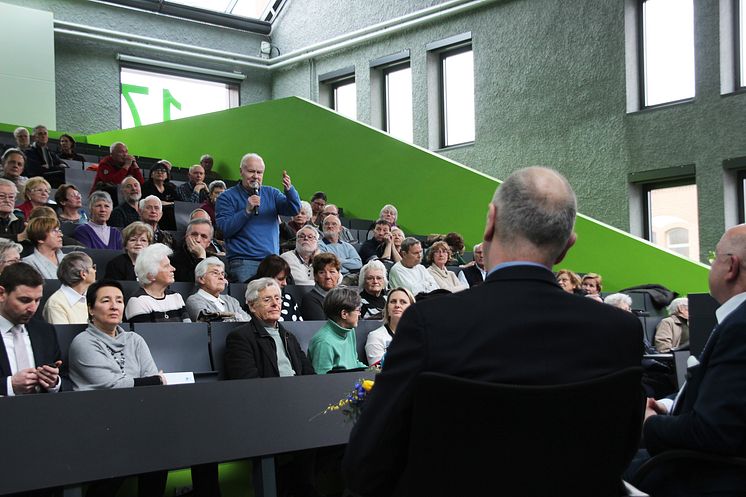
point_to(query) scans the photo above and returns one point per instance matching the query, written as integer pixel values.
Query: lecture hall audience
(209, 303)
(10, 224)
(76, 273)
(66, 149)
(569, 281)
(318, 202)
(346, 253)
(373, 282)
(379, 339)
(136, 237)
(113, 168)
(592, 286)
(36, 194)
(10, 253)
(326, 276)
(438, 256)
(159, 185)
(215, 188)
(45, 235)
(194, 190)
(381, 246)
(14, 162)
(193, 249)
(274, 266)
(673, 331)
(475, 274)
(151, 213)
(127, 211)
(69, 201)
(300, 260)
(409, 273)
(96, 234)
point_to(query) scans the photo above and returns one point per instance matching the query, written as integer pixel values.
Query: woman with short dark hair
(66, 150)
(69, 200)
(326, 276)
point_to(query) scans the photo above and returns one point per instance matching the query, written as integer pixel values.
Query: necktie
(47, 157)
(19, 348)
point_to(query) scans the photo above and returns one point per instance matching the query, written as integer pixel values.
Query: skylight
(252, 9)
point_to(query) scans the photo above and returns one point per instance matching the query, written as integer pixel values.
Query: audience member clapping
(14, 162)
(673, 331)
(10, 224)
(373, 284)
(67, 305)
(438, 256)
(381, 245)
(326, 276)
(591, 285)
(346, 253)
(45, 235)
(274, 266)
(214, 190)
(300, 260)
(379, 339)
(569, 281)
(69, 202)
(128, 210)
(409, 273)
(10, 253)
(96, 234)
(36, 194)
(154, 301)
(193, 249)
(159, 185)
(66, 149)
(334, 346)
(208, 304)
(151, 212)
(619, 300)
(194, 190)
(136, 237)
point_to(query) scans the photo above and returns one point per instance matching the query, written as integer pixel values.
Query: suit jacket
(518, 327)
(46, 351)
(35, 161)
(473, 275)
(250, 353)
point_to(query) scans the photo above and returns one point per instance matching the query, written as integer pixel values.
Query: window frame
(656, 185)
(641, 64)
(741, 195)
(740, 86)
(385, 71)
(443, 54)
(334, 84)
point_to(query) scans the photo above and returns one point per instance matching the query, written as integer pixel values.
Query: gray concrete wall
(550, 89)
(87, 72)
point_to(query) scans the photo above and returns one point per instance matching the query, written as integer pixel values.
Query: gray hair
(305, 207)
(127, 178)
(250, 156)
(199, 210)
(310, 228)
(98, 196)
(200, 220)
(115, 145)
(12, 151)
(143, 201)
(38, 127)
(204, 266)
(616, 299)
(389, 207)
(476, 246)
(194, 167)
(149, 261)
(8, 183)
(256, 286)
(205, 156)
(68, 272)
(535, 205)
(408, 243)
(19, 130)
(372, 265)
(216, 184)
(673, 307)
(6, 244)
(340, 299)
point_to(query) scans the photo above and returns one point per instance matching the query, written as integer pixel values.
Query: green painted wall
(361, 169)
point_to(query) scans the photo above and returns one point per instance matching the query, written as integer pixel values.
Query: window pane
(399, 103)
(149, 97)
(345, 99)
(673, 219)
(668, 40)
(458, 98)
(742, 41)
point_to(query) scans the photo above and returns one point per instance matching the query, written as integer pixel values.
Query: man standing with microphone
(248, 216)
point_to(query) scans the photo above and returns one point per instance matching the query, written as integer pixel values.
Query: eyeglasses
(56, 231)
(306, 237)
(39, 190)
(219, 274)
(269, 300)
(6, 198)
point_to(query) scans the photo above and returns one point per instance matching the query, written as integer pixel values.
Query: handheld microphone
(255, 191)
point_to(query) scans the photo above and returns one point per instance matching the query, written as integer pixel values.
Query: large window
(149, 97)
(741, 42)
(671, 219)
(667, 28)
(398, 98)
(457, 80)
(344, 97)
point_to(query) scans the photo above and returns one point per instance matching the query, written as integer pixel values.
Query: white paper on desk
(179, 378)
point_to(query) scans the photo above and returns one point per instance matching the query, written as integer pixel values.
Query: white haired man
(113, 168)
(195, 190)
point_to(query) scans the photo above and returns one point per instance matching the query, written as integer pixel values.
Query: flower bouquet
(351, 405)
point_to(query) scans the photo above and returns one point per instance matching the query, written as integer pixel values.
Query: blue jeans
(240, 270)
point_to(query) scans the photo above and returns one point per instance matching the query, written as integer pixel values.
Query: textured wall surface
(550, 89)
(88, 73)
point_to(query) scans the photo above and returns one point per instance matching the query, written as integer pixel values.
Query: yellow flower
(368, 385)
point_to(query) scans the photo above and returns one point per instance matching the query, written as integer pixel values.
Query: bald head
(728, 273)
(531, 217)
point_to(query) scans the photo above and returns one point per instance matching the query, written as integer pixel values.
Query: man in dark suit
(518, 327)
(40, 161)
(709, 413)
(30, 358)
(474, 275)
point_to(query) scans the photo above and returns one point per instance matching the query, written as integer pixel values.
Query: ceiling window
(667, 51)
(398, 101)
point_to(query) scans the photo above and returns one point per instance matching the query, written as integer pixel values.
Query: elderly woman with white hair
(95, 233)
(67, 305)
(263, 348)
(10, 253)
(208, 302)
(154, 302)
(619, 300)
(673, 331)
(289, 229)
(372, 283)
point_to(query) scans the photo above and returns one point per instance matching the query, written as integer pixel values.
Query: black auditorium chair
(522, 440)
(185, 288)
(177, 347)
(218, 334)
(50, 286)
(364, 326)
(303, 331)
(101, 258)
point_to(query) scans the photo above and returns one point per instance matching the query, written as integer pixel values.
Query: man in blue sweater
(247, 215)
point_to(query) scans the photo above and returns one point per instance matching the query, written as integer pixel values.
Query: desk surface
(73, 437)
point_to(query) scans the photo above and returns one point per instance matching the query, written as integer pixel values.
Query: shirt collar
(729, 306)
(516, 263)
(72, 296)
(6, 325)
(208, 296)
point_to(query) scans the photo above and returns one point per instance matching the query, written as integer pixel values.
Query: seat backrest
(177, 346)
(303, 331)
(680, 358)
(218, 333)
(182, 211)
(101, 258)
(65, 334)
(364, 326)
(50, 286)
(573, 440)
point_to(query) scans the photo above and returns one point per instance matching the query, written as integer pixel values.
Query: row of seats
(200, 347)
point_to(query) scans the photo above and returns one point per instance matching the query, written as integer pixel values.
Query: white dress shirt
(5, 327)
